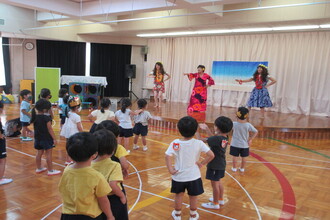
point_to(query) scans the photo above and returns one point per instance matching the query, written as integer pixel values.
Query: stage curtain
(109, 60)
(6, 61)
(298, 61)
(69, 56)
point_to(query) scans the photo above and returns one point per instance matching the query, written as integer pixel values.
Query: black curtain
(109, 60)
(6, 61)
(69, 56)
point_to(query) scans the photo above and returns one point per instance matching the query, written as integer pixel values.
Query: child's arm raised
(105, 207)
(169, 165)
(51, 132)
(117, 191)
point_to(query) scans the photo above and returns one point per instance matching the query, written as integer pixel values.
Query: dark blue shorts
(3, 152)
(125, 132)
(25, 124)
(236, 151)
(62, 117)
(139, 129)
(194, 187)
(82, 217)
(43, 144)
(214, 175)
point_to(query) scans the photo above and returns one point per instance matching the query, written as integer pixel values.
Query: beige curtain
(300, 62)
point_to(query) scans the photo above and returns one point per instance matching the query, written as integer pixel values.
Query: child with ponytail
(101, 115)
(124, 117)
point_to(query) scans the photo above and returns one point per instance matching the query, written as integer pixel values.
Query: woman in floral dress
(259, 95)
(158, 74)
(198, 97)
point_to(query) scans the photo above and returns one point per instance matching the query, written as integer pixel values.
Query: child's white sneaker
(41, 170)
(233, 169)
(135, 147)
(53, 172)
(27, 139)
(221, 202)
(4, 181)
(145, 148)
(210, 205)
(242, 170)
(176, 217)
(194, 218)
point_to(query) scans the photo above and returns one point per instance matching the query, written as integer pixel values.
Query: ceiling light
(325, 25)
(179, 33)
(252, 29)
(214, 32)
(296, 27)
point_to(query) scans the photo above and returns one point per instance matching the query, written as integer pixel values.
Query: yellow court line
(162, 143)
(152, 200)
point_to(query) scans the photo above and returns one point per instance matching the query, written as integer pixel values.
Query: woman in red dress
(158, 74)
(198, 97)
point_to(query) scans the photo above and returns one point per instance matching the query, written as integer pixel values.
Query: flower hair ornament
(239, 115)
(262, 65)
(74, 101)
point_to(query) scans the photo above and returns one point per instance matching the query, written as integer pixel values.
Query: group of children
(186, 151)
(92, 184)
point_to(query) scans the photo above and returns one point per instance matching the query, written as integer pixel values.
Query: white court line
(140, 188)
(33, 156)
(150, 193)
(247, 193)
(299, 165)
(291, 156)
(51, 212)
(154, 168)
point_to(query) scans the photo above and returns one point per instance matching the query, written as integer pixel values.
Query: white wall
(22, 62)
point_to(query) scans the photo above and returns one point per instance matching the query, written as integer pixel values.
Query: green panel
(47, 78)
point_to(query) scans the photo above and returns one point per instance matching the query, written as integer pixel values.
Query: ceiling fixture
(296, 27)
(241, 30)
(325, 25)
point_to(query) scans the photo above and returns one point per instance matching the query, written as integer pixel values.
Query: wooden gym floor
(287, 177)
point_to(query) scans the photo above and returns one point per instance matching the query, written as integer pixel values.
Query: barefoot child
(25, 115)
(112, 172)
(84, 190)
(141, 124)
(44, 137)
(241, 140)
(101, 115)
(216, 168)
(185, 173)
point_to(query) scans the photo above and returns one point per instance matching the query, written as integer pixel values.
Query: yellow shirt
(111, 170)
(121, 152)
(80, 189)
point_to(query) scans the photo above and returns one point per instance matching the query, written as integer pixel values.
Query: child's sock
(193, 212)
(177, 213)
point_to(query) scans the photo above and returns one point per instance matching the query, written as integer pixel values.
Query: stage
(274, 124)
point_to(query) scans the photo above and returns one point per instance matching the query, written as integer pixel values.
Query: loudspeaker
(130, 71)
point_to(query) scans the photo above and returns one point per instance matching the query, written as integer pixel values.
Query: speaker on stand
(130, 73)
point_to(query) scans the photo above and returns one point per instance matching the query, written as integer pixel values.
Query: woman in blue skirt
(259, 95)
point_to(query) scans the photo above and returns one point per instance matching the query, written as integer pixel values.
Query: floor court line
(297, 146)
(140, 188)
(51, 212)
(246, 192)
(305, 158)
(153, 194)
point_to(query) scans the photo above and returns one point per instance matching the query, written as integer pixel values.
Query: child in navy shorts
(44, 136)
(241, 140)
(216, 168)
(185, 173)
(141, 124)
